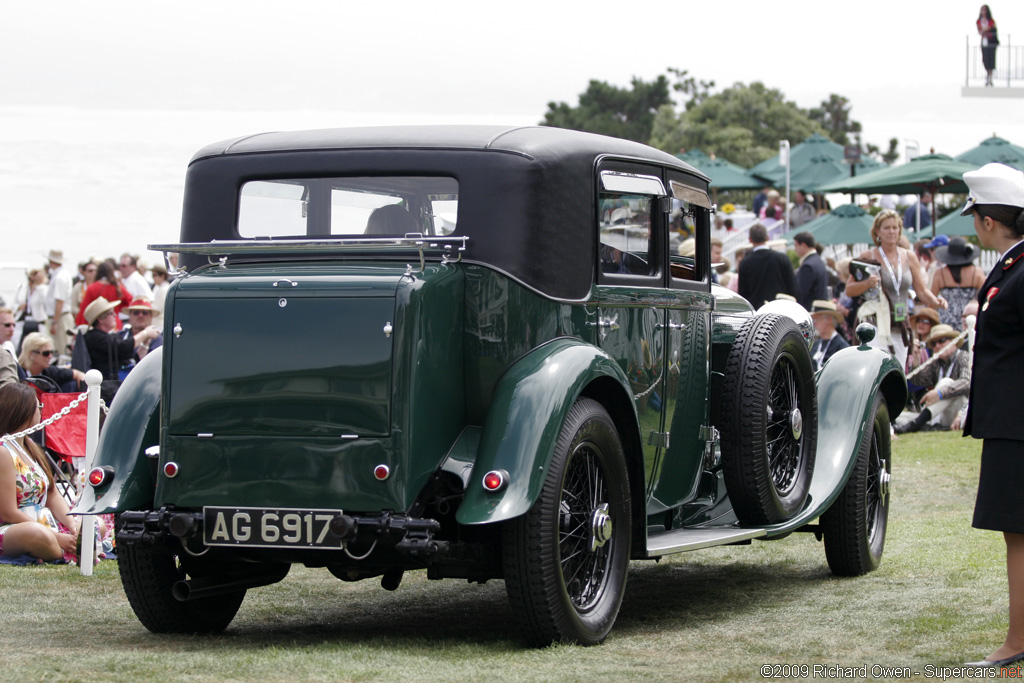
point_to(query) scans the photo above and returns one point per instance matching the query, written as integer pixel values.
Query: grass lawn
(939, 598)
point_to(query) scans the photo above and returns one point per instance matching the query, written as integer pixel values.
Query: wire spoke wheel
(566, 559)
(585, 528)
(854, 527)
(785, 425)
(768, 421)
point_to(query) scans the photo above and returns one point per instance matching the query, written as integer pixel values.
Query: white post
(93, 378)
(784, 159)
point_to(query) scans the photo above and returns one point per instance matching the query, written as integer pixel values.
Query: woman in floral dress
(34, 517)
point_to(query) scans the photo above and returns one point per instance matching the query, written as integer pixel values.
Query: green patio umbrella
(955, 224)
(994, 150)
(726, 175)
(933, 173)
(813, 147)
(692, 156)
(846, 224)
(820, 170)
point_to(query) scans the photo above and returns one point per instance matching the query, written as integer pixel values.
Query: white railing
(1009, 70)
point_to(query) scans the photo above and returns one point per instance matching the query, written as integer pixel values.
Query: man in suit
(764, 273)
(811, 276)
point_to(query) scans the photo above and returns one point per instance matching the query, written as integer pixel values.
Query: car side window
(625, 234)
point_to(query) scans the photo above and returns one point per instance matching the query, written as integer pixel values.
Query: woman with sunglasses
(34, 517)
(36, 355)
(996, 201)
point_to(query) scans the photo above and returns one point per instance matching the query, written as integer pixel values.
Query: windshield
(362, 206)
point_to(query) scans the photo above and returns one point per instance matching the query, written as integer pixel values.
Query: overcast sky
(107, 101)
(424, 61)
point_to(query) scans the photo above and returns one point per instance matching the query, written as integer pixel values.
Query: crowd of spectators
(917, 296)
(62, 324)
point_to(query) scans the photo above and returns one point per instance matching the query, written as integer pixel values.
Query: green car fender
(846, 388)
(530, 403)
(132, 425)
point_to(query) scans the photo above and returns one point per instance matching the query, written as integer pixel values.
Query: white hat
(994, 184)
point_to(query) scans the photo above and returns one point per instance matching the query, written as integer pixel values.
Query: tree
(743, 124)
(697, 91)
(610, 110)
(890, 156)
(834, 117)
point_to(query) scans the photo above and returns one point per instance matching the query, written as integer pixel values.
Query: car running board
(680, 540)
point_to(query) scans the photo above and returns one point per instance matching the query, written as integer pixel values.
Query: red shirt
(116, 294)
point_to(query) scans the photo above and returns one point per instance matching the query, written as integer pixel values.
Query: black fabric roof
(527, 196)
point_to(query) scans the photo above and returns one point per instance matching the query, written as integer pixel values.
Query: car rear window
(345, 207)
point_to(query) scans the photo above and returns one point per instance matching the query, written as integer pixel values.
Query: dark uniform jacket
(764, 273)
(994, 411)
(812, 279)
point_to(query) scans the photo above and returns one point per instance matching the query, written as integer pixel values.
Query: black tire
(566, 559)
(147, 575)
(768, 420)
(854, 527)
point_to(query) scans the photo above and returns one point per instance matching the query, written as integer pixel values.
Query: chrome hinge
(658, 439)
(712, 454)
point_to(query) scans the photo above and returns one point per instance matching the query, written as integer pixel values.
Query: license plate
(269, 528)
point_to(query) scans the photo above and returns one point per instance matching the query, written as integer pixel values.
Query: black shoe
(916, 424)
(996, 663)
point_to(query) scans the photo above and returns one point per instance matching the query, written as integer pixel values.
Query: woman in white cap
(996, 200)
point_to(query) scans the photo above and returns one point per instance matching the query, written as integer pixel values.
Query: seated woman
(30, 506)
(36, 353)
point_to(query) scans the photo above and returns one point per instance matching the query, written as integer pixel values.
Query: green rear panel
(317, 366)
(280, 387)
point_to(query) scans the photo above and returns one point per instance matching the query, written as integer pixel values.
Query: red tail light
(98, 476)
(495, 480)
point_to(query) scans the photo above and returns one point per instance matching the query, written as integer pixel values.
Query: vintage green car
(471, 350)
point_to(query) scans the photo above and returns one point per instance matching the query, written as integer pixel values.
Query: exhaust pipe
(205, 587)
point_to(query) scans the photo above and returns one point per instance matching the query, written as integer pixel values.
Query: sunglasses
(39, 404)
(937, 342)
(9, 324)
(45, 353)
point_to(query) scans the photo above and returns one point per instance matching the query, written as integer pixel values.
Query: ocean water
(103, 182)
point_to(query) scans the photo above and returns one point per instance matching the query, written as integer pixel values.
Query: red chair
(65, 438)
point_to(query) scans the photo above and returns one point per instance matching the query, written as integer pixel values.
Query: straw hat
(96, 309)
(822, 307)
(56, 256)
(941, 332)
(925, 312)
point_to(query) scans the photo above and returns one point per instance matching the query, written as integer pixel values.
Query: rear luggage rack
(449, 248)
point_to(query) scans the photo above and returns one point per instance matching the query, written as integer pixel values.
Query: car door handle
(671, 326)
(609, 323)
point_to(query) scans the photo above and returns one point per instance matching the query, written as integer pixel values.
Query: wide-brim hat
(941, 332)
(56, 256)
(96, 309)
(143, 303)
(959, 252)
(925, 312)
(820, 306)
(994, 184)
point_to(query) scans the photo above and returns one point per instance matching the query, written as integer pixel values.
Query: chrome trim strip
(694, 539)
